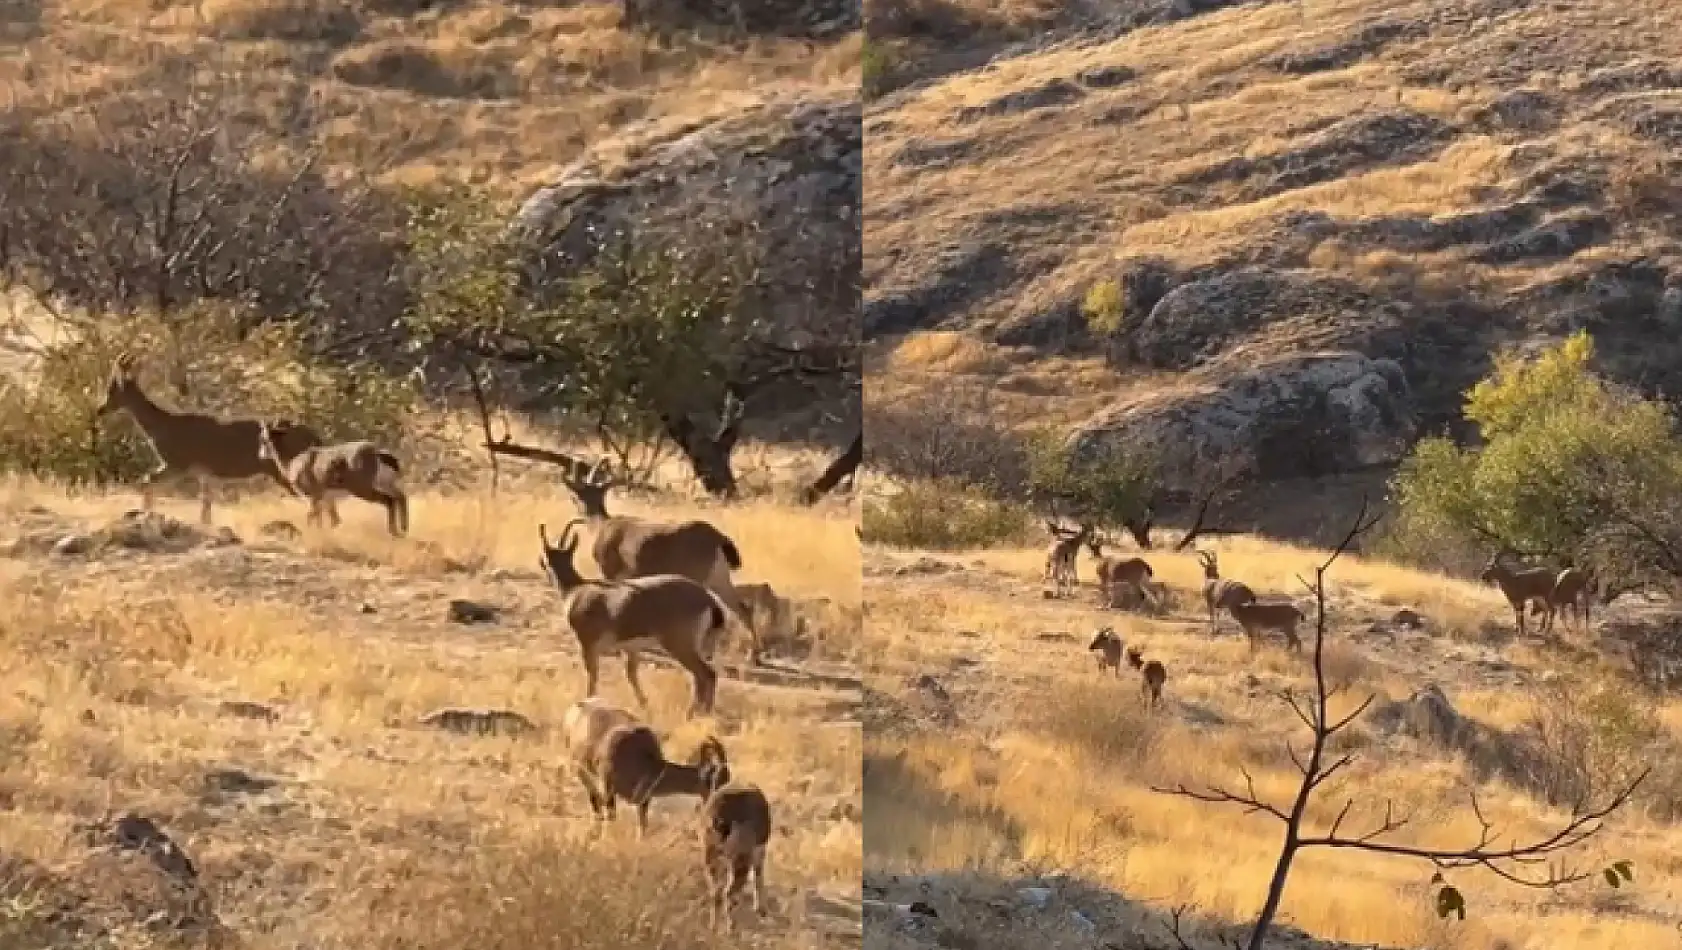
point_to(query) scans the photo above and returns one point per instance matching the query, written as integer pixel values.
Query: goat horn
(543, 534)
(566, 532)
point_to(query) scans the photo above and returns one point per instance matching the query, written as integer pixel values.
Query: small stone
(245, 709)
(1037, 897)
(480, 721)
(73, 544)
(469, 612)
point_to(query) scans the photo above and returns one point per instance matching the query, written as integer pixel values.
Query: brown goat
(667, 611)
(1218, 592)
(1257, 617)
(735, 833)
(1107, 646)
(629, 763)
(1152, 676)
(625, 547)
(324, 473)
(193, 444)
(1135, 572)
(1060, 556)
(1521, 586)
(1572, 592)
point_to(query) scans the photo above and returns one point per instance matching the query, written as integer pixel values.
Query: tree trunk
(844, 465)
(709, 457)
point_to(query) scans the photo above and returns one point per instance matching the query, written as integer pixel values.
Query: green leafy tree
(1111, 487)
(1572, 467)
(637, 344)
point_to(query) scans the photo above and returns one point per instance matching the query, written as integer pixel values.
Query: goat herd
(663, 586)
(1127, 582)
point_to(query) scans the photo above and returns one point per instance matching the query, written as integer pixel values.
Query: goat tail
(732, 555)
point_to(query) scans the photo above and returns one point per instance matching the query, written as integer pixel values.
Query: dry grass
(1050, 765)
(501, 94)
(1130, 170)
(380, 833)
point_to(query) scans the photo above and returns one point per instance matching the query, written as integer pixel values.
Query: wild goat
(1521, 586)
(628, 763)
(194, 444)
(1060, 556)
(667, 611)
(626, 547)
(1152, 676)
(1135, 572)
(1573, 591)
(586, 722)
(735, 832)
(1218, 592)
(325, 473)
(1257, 617)
(1107, 646)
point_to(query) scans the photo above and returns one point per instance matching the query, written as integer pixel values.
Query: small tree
(641, 344)
(1572, 467)
(1532, 863)
(1112, 487)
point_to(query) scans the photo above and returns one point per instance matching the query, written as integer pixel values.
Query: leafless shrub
(948, 435)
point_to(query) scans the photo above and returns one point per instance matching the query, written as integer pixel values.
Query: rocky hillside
(1245, 229)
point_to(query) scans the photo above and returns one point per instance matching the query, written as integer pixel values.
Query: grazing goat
(1134, 572)
(667, 611)
(1219, 592)
(1060, 556)
(1257, 617)
(586, 722)
(1521, 586)
(325, 473)
(1107, 646)
(735, 832)
(194, 444)
(1572, 592)
(628, 763)
(625, 547)
(1152, 676)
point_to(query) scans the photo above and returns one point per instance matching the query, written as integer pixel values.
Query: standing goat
(667, 611)
(735, 832)
(1573, 592)
(1134, 572)
(1107, 646)
(326, 473)
(194, 444)
(1061, 554)
(626, 547)
(1152, 676)
(1257, 617)
(629, 763)
(1218, 592)
(1521, 586)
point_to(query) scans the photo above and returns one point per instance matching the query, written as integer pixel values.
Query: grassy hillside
(998, 758)
(503, 95)
(341, 821)
(1435, 178)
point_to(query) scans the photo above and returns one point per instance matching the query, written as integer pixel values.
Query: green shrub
(945, 516)
(1103, 308)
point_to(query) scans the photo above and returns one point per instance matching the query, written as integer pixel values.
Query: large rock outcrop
(1294, 415)
(783, 172)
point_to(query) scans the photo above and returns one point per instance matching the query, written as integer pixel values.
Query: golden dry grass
(381, 833)
(1069, 191)
(1045, 765)
(502, 94)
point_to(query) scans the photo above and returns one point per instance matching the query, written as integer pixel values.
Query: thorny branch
(1511, 862)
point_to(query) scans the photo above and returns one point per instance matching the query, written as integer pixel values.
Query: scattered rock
(1057, 92)
(926, 566)
(1106, 77)
(73, 544)
(472, 612)
(478, 721)
(134, 832)
(1408, 618)
(245, 709)
(281, 530)
(237, 781)
(1427, 714)
(1038, 898)
(1369, 39)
